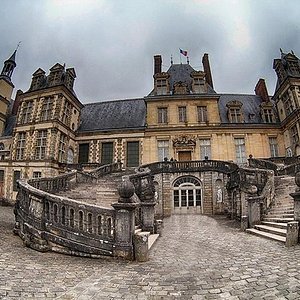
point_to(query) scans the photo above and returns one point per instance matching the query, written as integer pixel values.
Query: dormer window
(198, 83)
(161, 86)
(268, 115)
(235, 114)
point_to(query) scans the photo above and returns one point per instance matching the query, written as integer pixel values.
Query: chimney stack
(207, 71)
(261, 90)
(157, 64)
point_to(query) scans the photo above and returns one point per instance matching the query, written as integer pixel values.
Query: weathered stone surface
(197, 257)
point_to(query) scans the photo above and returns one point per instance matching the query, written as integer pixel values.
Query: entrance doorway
(184, 155)
(187, 195)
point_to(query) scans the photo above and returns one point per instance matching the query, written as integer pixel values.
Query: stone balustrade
(106, 169)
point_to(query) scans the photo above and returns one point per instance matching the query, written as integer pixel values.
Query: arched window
(187, 192)
(70, 157)
(80, 220)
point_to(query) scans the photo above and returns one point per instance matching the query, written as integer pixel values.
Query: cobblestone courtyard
(197, 257)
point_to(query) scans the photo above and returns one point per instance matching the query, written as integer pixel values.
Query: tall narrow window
(17, 176)
(41, 143)
(199, 86)
(67, 113)
(240, 150)
(20, 145)
(133, 154)
(202, 114)
(26, 112)
(268, 115)
(205, 149)
(62, 147)
(288, 105)
(83, 153)
(47, 109)
(235, 115)
(273, 146)
(294, 134)
(161, 86)
(182, 114)
(107, 153)
(162, 115)
(162, 150)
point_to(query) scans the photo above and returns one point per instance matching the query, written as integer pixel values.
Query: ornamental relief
(184, 141)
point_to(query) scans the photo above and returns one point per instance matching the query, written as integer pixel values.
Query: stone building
(183, 118)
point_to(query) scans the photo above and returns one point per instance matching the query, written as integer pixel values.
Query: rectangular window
(41, 143)
(240, 150)
(198, 85)
(107, 153)
(133, 154)
(67, 113)
(162, 114)
(161, 86)
(235, 115)
(162, 150)
(17, 176)
(182, 114)
(288, 105)
(83, 153)
(273, 146)
(294, 134)
(37, 174)
(205, 149)
(26, 112)
(20, 149)
(202, 114)
(62, 147)
(268, 115)
(46, 113)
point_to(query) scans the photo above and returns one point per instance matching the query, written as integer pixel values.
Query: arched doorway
(187, 195)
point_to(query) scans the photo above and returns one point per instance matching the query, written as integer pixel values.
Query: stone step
(270, 229)
(266, 235)
(279, 215)
(275, 224)
(278, 220)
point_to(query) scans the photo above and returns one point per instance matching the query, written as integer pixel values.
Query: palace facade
(47, 128)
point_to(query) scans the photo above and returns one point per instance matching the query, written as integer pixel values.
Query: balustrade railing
(191, 166)
(262, 164)
(81, 227)
(106, 169)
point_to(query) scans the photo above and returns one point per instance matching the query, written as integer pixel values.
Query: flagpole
(180, 56)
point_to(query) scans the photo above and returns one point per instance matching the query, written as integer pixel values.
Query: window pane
(83, 153)
(162, 150)
(205, 149)
(107, 153)
(133, 154)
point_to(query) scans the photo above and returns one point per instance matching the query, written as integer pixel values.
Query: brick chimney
(261, 90)
(207, 71)
(157, 64)
(16, 102)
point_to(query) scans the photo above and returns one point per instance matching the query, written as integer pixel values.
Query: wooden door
(184, 155)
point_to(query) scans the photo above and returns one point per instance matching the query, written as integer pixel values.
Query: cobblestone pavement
(197, 257)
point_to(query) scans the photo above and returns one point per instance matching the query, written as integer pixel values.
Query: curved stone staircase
(274, 224)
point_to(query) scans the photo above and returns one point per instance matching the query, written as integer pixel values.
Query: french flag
(183, 52)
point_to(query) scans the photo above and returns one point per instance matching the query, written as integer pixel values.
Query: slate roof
(110, 115)
(10, 125)
(251, 106)
(182, 72)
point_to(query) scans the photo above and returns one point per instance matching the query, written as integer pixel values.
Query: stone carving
(180, 88)
(184, 141)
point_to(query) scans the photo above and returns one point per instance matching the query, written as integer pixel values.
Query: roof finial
(292, 52)
(281, 51)
(171, 59)
(187, 60)
(18, 45)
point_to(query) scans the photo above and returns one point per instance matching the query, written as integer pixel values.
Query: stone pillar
(147, 216)
(141, 246)
(244, 223)
(254, 211)
(292, 233)
(124, 222)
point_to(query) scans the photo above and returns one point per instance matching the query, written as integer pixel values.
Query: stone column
(124, 222)
(292, 233)
(254, 211)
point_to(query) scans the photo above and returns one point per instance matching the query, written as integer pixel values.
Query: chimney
(157, 64)
(16, 102)
(261, 90)
(207, 71)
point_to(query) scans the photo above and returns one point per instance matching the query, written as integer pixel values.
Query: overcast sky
(111, 43)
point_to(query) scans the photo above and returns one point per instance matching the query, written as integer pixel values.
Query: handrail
(106, 169)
